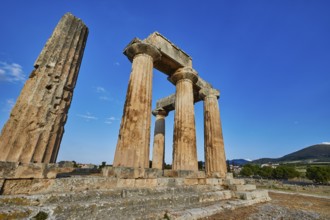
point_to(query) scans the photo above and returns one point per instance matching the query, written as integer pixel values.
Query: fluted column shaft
(184, 140)
(35, 128)
(159, 139)
(134, 136)
(215, 159)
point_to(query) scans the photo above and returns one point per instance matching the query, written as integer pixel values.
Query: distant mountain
(238, 162)
(315, 153)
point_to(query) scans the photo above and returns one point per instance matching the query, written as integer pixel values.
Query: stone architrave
(134, 136)
(184, 140)
(35, 128)
(215, 159)
(159, 139)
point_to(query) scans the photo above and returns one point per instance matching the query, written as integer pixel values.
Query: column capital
(160, 111)
(184, 73)
(142, 48)
(209, 92)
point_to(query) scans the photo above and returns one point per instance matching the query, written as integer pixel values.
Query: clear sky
(270, 59)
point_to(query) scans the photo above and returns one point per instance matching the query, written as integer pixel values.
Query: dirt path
(283, 206)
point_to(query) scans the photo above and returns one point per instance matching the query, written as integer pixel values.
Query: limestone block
(212, 181)
(190, 181)
(30, 171)
(201, 181)
(151, 173)
(247, 187)
(8, 169)
(253, 195)
(126, 183)
(145, 183)
(229, 176)
(229, 182)
(171, 173)
(108, 171)
(129, 173)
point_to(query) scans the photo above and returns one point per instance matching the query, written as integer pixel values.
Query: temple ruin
(33, 185)
(134, 137)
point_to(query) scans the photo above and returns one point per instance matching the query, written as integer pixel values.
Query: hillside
(316, 153)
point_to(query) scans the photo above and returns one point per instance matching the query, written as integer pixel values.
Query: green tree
(318, 174)
(246, 171)
(285, 172)
(265, 172)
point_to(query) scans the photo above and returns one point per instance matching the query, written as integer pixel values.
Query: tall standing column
(184, 140)
(215, 159)
(35, 128)
(159, 139)
(134, 136)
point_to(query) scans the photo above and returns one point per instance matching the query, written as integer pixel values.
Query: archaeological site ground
(33, 185)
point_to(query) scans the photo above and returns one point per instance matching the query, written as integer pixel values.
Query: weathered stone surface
(131, 173)
(229, 182)
(184, 140)
(215, 159)
(134, 136)
(262, 195)
(247, 187)
(35, 128)
(15, 170)
(158, 154)
(172, 56)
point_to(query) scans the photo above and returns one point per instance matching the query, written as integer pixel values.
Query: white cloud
(100, 89)
(326, 143)
(104, 98)
(88, 116)
(110, 120)
(117, 64)
(11, 72)
(9, 105)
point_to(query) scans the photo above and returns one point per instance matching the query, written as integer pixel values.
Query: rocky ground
(283, 206)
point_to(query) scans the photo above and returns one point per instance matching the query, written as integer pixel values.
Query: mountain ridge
(315, 153)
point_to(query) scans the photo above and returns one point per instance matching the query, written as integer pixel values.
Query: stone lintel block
(171, 173)
(146, 183)
(191, 181)
(170, 182)
(172, 56)
(247, 187)
(229, 182)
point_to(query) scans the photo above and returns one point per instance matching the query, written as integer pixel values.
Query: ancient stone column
(35, 128)
(184, 140)
(159, 139)
(215, 159)
(134, 136)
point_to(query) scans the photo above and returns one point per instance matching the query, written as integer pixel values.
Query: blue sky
(270, 59)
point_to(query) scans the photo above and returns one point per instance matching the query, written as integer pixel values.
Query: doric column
(159, 139)
(215, 159)
(184, 140)
(35, 128)
(134, 136)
